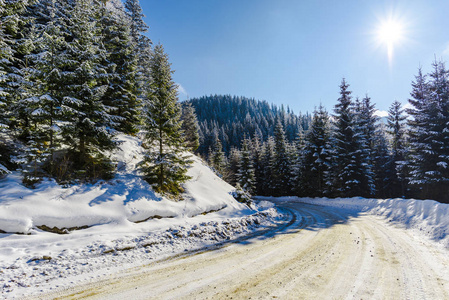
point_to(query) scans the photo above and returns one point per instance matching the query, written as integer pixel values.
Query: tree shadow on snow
(129, 187)
(303, 217)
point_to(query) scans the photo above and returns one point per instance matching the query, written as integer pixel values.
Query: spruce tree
(232, 166)
(190, 126)
(383, 166)
(267, 161)
(296, 157)
(86, 119)
(135, 14)
(5, 57)
(141, 45)
(316, 155)
(121, 61)
(24, 108)
(233, 117)
(217, 158)
(349, 174)
(257, 152)
(16, 37)
(165, 164)
(246, 174)
(396, 127)
(50, 62)
(281, 164)
(368, 135)
(429, 134)
(418, 131)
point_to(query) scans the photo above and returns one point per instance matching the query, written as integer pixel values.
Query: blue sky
(296, 52)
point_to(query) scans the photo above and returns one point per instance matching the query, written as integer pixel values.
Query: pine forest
(74, 74)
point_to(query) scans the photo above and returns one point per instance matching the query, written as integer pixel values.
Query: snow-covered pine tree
(268, 159)
(190, 126)
(349, 172)
(257, 151)
(49, 62)
(396, 129)
(295, 155)
(383, 166)
(316, 155)
(429, 134)
(17, 40)
(296, 158)
(281, 164)
(165, 163)
(246, 174)
(5, 58)
(86, 126)
(137, 24)
(232, 166)
(234, 116)
(14, 87)
(216, 156)
(141, 44)
(27, 115)
(121, 60)
(367, 134)
(418, 135)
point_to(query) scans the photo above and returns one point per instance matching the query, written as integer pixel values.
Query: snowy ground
(426, 218)
(121, 224)
(112, 225)
(325, 252)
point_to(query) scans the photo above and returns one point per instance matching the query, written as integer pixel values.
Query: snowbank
(112, 225)
(126, 199)
(428, 217)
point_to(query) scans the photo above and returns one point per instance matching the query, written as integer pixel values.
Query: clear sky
(295, 52)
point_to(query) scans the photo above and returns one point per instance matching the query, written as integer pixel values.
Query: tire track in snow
(320, 253)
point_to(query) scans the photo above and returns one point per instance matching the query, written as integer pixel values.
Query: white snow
(130, 225)
(3, 170)
(427, 218)
(127, 224)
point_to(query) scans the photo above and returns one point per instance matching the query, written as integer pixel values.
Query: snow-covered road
(324, 253)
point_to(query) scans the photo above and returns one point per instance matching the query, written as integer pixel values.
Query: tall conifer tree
(429, 134)
(316, 155)
(165, 164)
(268, 159)
(349, 176)
(281, 163)
(190, 126)
(86, 119)
(121, 61)
(396, 128)
(50, 62)
(367, 136)
(17, 42)
(246, 175)
(141, 44)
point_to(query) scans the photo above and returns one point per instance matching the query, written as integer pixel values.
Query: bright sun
(390, 33)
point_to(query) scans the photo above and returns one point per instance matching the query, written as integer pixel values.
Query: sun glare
(390, 33)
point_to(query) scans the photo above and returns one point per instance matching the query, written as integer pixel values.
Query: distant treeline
(232, 118)
(270, 151)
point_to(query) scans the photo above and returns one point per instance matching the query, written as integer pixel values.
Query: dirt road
(321, 254)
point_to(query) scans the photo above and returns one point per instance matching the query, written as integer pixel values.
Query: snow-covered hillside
(106, 226)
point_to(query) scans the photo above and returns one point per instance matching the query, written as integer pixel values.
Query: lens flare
(390, 33)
